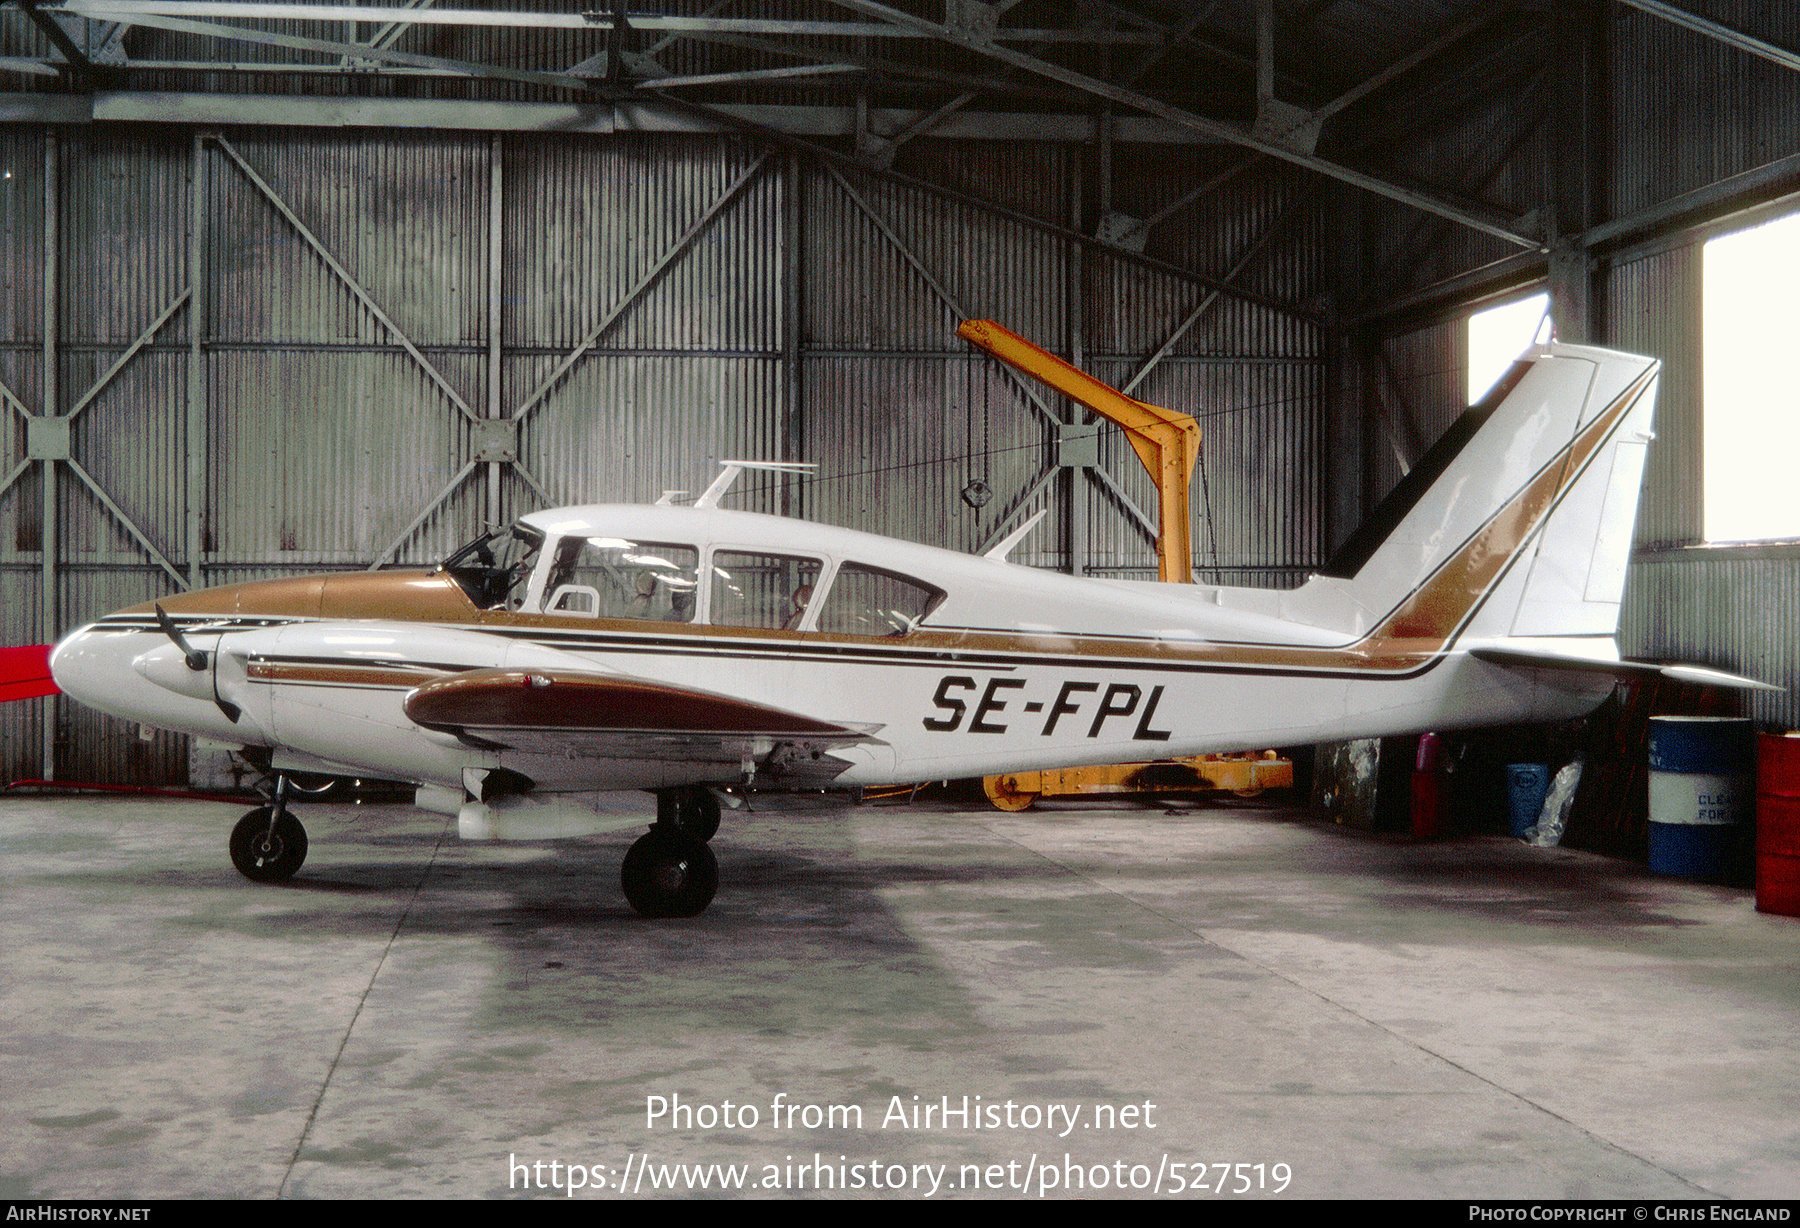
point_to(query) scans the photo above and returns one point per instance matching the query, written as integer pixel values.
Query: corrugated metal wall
(662, 302)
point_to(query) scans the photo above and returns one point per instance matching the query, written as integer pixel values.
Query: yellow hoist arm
(1166, 442)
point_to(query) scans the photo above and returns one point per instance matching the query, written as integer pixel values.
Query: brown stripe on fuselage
(344, 673)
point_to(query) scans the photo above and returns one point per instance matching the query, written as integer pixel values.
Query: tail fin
(1518, 522)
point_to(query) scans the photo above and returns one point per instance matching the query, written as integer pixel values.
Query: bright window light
(1499, 335)
(1751, 417)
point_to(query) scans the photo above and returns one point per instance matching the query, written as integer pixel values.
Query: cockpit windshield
(495, 568)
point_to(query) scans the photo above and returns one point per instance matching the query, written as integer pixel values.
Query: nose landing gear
(268, 845)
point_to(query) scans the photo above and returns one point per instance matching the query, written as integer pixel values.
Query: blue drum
(1702, 795)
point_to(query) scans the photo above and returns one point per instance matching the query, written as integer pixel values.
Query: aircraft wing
(618, 716)
(1546, 653)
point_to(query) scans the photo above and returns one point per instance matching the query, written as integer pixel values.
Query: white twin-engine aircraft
(681, 649)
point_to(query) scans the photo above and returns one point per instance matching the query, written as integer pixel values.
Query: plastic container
(1526, 785)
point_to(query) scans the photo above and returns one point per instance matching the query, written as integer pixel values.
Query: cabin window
(869, 601)
(611, 577)
(761, 590)
(495, 569)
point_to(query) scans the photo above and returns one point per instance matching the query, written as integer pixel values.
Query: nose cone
(85, 663)
(98, 665)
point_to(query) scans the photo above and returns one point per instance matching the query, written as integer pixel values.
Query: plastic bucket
(1526, 785)
(1778, 825)
(1702, 773)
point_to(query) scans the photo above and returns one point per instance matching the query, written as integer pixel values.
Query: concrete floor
(413, 1016)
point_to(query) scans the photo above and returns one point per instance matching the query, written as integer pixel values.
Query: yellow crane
(1168, 444)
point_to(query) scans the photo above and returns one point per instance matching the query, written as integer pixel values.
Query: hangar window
(1751, 420)
(1498, 336)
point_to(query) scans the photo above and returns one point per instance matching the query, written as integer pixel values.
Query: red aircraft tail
(25, 673)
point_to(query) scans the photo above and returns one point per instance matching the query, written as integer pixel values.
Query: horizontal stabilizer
(1540, 655)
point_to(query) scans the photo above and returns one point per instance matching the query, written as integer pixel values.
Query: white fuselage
(905, 662)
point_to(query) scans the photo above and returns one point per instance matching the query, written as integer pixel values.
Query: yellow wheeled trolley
(1241, 775)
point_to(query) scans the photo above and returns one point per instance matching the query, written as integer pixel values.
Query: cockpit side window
(869, 601)
(495, 569)
(751, 589)
(611, 577)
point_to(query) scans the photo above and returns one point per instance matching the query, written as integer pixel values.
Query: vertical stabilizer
(1518, 522)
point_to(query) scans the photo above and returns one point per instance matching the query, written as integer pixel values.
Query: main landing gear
(269, 844)
(670, 872)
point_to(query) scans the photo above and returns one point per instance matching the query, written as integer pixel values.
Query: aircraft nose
(88, 665)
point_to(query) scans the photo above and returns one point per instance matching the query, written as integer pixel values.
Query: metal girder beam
(135, 10)
(1003, 524)
(1468, 76)
(1495, 225)
(642, 284)
(1170, 37)
(56, 34)
(1403, 65)
(144, 338)
(388, 34)
(331, 47)
(49, 534)
(425, 514)
(350, 283)
(875, 64)
(1127, 236)
(750, 76)
(729, 119)
(1212, 296)
(1424, 232)
(6, 394)
(1718, 30)
(118, 513)
(22, 64)
(19, 470)
(1145, 522)
(944, 296)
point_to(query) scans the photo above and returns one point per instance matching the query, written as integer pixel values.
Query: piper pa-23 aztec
(681, 649)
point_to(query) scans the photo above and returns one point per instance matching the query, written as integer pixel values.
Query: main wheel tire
(669, 874)
(268, 855)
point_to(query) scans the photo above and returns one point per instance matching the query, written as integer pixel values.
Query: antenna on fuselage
(723, 482)
(1015, 537)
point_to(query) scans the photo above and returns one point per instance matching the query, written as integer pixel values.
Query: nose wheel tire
(268, 852)
(669, 874)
